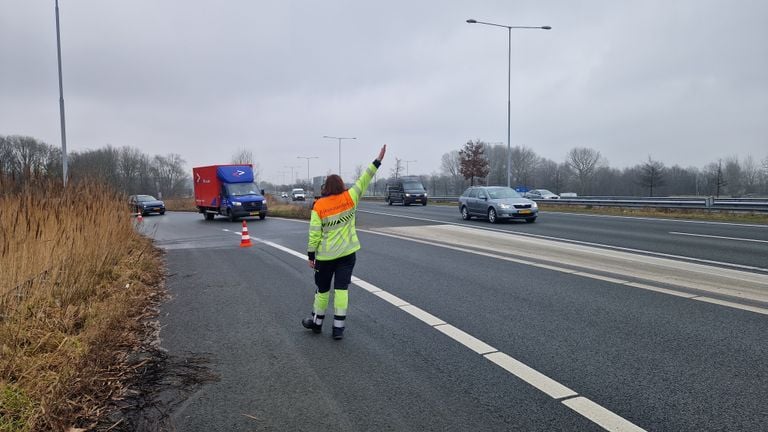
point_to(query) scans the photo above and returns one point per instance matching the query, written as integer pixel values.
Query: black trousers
(340, 270)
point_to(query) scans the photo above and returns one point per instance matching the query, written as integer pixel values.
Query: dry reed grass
(75, 281)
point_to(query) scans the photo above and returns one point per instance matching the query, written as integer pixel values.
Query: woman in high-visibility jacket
(332, 246)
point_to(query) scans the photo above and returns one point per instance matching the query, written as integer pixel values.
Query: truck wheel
(262, 216)
(232, 217)
(208, 216)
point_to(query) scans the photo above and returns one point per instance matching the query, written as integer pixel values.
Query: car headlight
(407, 195)
(425, 194)
(505, 206)
(534, 205)
(237, 203)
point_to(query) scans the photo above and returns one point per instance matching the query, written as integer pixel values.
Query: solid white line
(423, 315)
(733, 305)
(465, 339)
(608, 420)
(390, 298)
(601, 245)
(533, 377)
(661, 290)
(718, 237)
(601, 277)
(515, 367)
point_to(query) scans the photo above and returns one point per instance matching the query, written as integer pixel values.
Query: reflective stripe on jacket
(332, 224)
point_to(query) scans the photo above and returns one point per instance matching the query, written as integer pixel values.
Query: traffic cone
(245, 239)
(139, 218)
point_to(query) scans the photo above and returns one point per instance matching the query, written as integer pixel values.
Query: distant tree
(170, 175)
(715, 181)
(242, 157)
(750, 175)
(583, 161)
(451, 167)
(497, 163)
(524, 162)
(733, 175)
(473, 163)
(651, 175)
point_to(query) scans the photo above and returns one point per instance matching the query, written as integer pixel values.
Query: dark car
(146, 204)
(496, 203)
(406, 190)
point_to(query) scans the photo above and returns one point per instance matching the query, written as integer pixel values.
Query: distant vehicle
(146, 204)
(406, 190)
(496, 203)
(298, 194)
(568, 195)
(537, 194)
(284, 195)
(228, 190)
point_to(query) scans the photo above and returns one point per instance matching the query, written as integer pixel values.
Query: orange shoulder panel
(333, 204)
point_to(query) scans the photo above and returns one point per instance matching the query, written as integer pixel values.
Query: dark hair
(333, 185)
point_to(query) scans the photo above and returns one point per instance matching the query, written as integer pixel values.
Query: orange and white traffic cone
(245, 239)
(139, 218)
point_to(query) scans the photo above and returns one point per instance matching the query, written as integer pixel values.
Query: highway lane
(737, 244)
(661, 362)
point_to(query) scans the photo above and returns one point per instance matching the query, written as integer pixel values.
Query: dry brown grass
(180, 204)
(76, 280)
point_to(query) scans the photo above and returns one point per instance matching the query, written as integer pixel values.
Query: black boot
(309, 323)
(338, 333)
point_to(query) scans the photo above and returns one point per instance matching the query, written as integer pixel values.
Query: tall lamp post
(509, 83)
(292, 177)
(64, 163)
(339, 138)
(406, 165)
(309, 181)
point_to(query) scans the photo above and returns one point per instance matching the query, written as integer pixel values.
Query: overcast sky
(685, 82)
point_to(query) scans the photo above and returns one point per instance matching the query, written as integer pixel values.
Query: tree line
(126, 169)
(586, 172)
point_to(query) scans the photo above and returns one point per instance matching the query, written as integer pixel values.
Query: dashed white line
(590, 410)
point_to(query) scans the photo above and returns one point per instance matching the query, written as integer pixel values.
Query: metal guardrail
(758, 205)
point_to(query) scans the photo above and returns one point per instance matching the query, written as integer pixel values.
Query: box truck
(228, 190)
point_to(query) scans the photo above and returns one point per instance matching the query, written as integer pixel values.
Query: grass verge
(77, 282)
(689, 214)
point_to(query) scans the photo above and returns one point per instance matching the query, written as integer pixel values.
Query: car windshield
(501, 193)
(240, 189)
(413, 187)
(145, 198)
(545, 192)
(298, 191)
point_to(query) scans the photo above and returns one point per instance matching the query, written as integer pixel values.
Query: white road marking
(596, 413)
(718, 237)
(733, 305)
(465, 339)
(608, 420)
(600, 245)
(533, 377)
(562, 269)
(661, 219)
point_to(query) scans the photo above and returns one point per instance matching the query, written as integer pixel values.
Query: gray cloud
(682, 81)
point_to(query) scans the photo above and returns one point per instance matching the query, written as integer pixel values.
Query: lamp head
(472, 21)
(546, 28)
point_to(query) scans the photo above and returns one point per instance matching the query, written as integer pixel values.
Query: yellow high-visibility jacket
(332, 224)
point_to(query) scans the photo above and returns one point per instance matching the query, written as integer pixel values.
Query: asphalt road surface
(457, 326)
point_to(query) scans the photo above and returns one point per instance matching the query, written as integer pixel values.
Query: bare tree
(750, 175)
(497, 164)
(524, 162)
(584, 162)
(243, 157)
(451, 167)
(474, 164)
(651, 174)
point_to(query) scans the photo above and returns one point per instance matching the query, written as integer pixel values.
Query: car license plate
(524, 212)
(254, 213)
(156, 209)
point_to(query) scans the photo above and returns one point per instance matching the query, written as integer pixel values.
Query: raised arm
(361, 184)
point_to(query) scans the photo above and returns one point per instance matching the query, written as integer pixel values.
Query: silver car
(496, 203)
(535, 194)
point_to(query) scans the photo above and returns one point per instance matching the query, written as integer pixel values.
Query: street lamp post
(509, 83)
(309, 181)
(64, 164)
(406, 165)
(339, 138)
(292, 177)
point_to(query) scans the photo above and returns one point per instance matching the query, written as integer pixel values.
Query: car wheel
(465, 213)
(424, 203)
(162, 212)
(232, 217)
(531, 220)
(389, 201)
(492, 215)
(262, 216)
